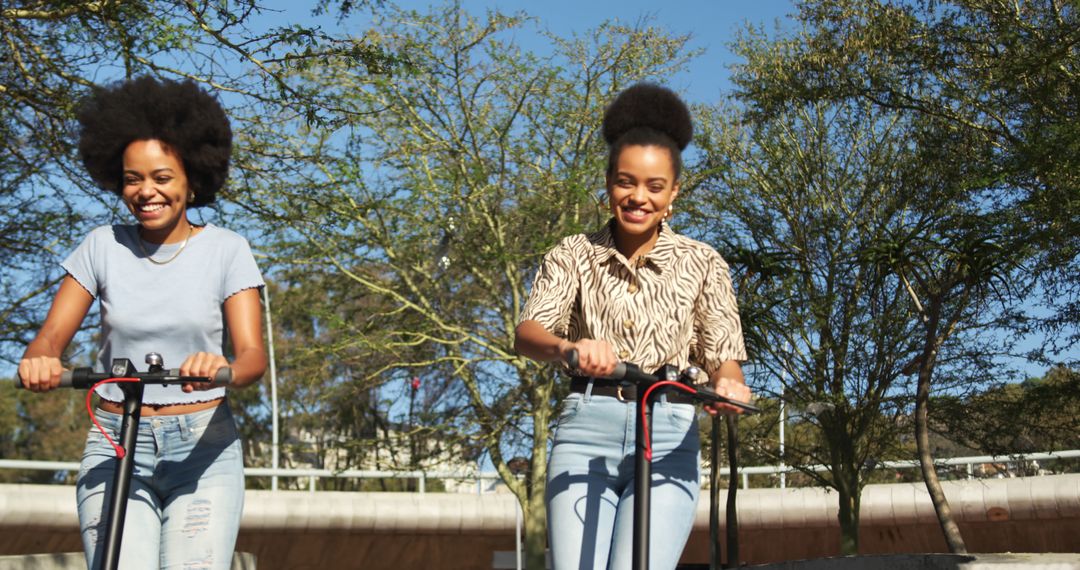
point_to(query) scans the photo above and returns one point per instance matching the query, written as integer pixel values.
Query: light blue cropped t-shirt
(175, 309)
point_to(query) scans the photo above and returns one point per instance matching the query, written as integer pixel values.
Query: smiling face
(155, 189)
(641, 187)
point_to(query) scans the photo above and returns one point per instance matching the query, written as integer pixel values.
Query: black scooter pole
(129, 431)
(642, 462)
(642, 482)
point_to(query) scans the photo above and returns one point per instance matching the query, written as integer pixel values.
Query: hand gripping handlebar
(83, 378)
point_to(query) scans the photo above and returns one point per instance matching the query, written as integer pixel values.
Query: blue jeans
(590, 487)
(187, 491)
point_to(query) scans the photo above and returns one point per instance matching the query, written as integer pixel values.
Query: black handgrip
(620, 372)
(712, 396)
(223, 376)
(65, 380)
(572, 359)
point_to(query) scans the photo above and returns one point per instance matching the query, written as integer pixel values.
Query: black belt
(626, 392)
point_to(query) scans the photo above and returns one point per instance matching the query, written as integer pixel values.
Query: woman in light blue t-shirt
(169, 286)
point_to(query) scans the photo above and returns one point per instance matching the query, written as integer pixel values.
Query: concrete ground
(1006, 561)
(1003, 561)
(76, 560)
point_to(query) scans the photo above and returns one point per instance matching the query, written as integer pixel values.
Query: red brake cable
(644, 418)
(90, 410)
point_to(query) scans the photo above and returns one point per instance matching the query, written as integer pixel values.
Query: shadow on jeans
(219, 434)
(679, 468)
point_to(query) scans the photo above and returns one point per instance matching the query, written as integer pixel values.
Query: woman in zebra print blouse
(633, 291)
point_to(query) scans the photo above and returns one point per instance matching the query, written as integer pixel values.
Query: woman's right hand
(40, 373)
(595, 357)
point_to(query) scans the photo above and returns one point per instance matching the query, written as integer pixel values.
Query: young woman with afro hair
(169, 286)
(633, 291)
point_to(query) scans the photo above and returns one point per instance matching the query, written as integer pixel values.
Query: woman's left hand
(202, 364)
(732, 390)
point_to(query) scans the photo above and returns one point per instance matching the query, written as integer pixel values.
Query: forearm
(42, 345)
(248, 366)
(68, 309)
(243, 312)
(531, 339)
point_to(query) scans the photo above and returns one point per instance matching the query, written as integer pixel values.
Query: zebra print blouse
(674, 305)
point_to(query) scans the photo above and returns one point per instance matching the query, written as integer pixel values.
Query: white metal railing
(300, 473)
(313, 475)
(969, 462)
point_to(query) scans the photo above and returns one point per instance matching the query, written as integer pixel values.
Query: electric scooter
(648, 385)
(131, 383)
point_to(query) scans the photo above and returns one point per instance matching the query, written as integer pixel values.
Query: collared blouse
(674, 305)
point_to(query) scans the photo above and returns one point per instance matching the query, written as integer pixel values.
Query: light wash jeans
(590, 487)
(187, 491)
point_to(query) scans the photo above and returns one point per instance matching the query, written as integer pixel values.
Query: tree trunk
(845, 471)
(922, 439)
(535, 511)
(849, 520)
(535, 517)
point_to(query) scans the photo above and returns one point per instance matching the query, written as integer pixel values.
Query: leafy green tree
(55, 51)
(793, 202)
(1039, 414)
(45, 429)
(994, 87)
(990, 93)
(802, 203)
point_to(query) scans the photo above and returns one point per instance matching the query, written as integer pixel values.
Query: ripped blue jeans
(590, 485)
(187, 491)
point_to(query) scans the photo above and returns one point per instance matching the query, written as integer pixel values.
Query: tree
(990, 91)
(55, 52)
(995, 87)
(792, 204)
(1039, 414)
(434, 201)
(801, 203)
(46, 429)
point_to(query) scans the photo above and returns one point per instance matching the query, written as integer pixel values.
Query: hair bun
(647, 105)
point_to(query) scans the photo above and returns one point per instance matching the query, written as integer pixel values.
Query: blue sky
(712, 24)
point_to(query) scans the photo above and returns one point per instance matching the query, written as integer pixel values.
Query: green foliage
(51, 428)
(55, 51)
(1039, 414)
(966, 92)
(993, 90)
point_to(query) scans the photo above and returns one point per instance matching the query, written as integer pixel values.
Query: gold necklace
(146, 254)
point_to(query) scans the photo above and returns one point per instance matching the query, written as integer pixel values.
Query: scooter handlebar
(85, 377)
(631, 372)
(618, 374)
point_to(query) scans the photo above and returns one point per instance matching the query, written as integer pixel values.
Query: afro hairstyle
(647, 114)
(185, 118)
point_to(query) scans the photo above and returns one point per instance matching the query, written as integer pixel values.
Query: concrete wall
(297, 530)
